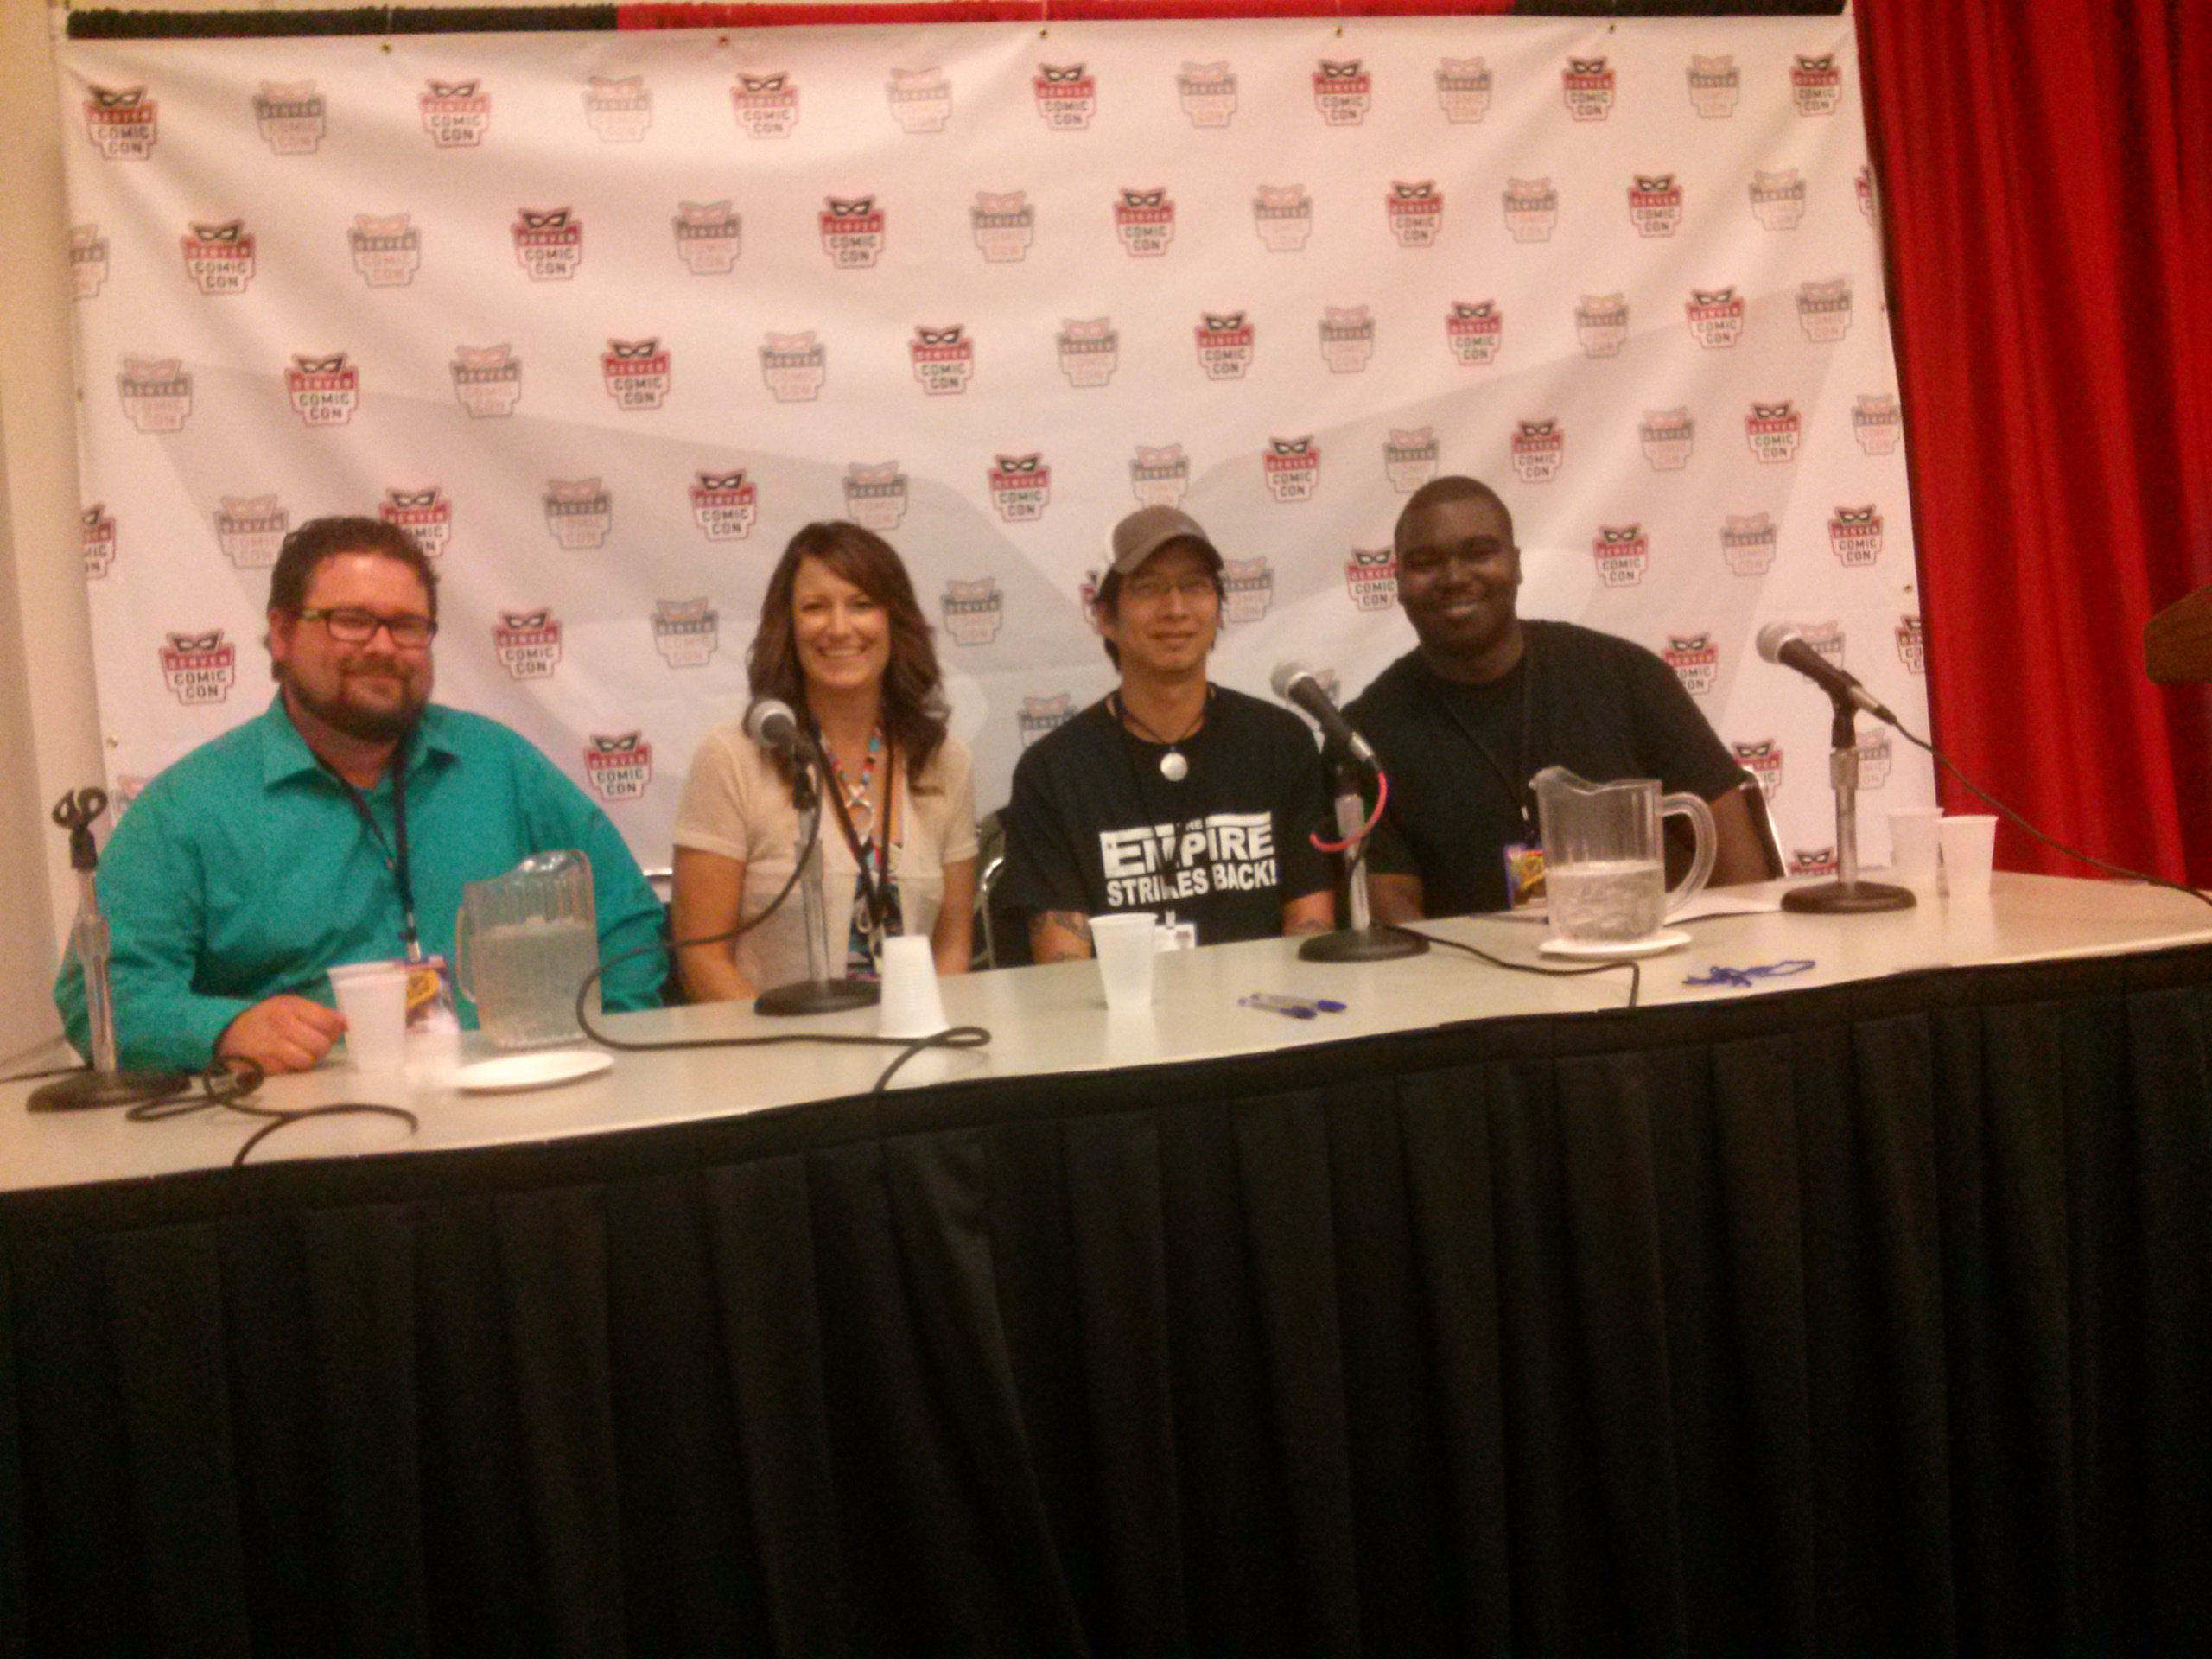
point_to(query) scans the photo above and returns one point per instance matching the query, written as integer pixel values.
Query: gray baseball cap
(1147, 530)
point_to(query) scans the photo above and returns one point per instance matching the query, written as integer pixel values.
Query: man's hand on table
(285, 1033)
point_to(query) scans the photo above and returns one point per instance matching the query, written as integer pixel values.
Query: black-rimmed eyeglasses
(349, 627)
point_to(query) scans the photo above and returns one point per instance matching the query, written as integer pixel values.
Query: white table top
(1054, 1020)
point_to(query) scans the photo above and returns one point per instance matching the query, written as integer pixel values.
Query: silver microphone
(1294, 683)
(1784, 644)
(770, 723)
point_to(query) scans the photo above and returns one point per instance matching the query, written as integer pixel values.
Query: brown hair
(913, 693)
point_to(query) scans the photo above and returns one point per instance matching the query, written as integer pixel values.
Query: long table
(1867, 1310)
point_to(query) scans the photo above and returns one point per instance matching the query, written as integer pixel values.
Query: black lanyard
(1515, 793)
(875, 888)
(395, 859)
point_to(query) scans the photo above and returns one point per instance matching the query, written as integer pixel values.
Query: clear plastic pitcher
(522, 945)
(1605, 860)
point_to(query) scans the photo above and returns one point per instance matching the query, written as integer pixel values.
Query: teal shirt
(243, 872)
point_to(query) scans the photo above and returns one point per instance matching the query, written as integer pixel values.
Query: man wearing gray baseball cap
(1171, 794)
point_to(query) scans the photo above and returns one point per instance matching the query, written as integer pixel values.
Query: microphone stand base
(83, 1091)
(819, 996)
(1361, 944)
(1851, 899)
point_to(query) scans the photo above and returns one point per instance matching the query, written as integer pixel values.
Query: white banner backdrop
(606, 318)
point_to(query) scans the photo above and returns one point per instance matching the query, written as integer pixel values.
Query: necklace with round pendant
(1173, 767)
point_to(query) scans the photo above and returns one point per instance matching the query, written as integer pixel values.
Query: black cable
(1635, 969)
(955, 1037)
(1979, 793)
(51, 1071)
(225, 1085)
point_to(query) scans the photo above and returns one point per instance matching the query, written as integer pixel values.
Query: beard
(369, 722)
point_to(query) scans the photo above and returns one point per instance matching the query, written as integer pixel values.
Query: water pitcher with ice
(1604, 861)
(522, 946)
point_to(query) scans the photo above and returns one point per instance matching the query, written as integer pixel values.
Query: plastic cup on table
(372, 995)
(1969, 848)
(1125, 948)
(913, 1003)
(1914, 850)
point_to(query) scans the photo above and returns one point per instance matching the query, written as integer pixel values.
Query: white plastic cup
(1914, 848)
(1969, 847)
(1125, 947)
(911, 1004)
(372, 995)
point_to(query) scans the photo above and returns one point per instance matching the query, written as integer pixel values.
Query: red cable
(1382, 800)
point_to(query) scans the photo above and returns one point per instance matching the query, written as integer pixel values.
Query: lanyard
(395, 859)
(1170, 856)
(875, 888)
(1515, 793)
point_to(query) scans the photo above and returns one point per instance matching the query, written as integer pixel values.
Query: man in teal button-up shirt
(245, 871)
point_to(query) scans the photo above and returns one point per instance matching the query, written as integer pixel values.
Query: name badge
(1525, 876)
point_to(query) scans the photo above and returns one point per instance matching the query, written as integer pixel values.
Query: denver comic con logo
(1039, 715)
(1715, 317)
(1347, 338)
(619, 111)
(973, 611)
(793, 366)
(1622, 552)
(1002, 225)
(1855, 537)
(157, 393)
(387, 249)
(1668, 436)
(1531, 209)
(456, 113)
(1539, 450)
(1816, 83)
(766, 105)
(637, 373)
(1416, 213)
(1877, 423)
(323, 391)
(1157, 478)
(1655, 204)
(1587, 83)
(875, 494)
(724, 505)
(289, 114)
(1763, 759)
(1772, 430)
(579, 512)
(685, 631)
(1474, 331)
(852, 231)
(921, 100)
(528, 643)
(1601, 324)
(1748, 544)
(1248, 587)
(87, 260)
(1292, 467)
(1824, 309)
(1410, 459)
(251, 529)
(486, 379)
(1912, 644)
(1778, 199)
(1224, 339)
(121, 123)
(620, 767)
(425, 514)
(1715, 84)
(1462, 88)
(219, 258)
(96, 526)
(548, 243)
(1207, 92)
(707, 237)
(1145, 220)
(199, 668)
(1342, 92)
(944, 358)
(1283, 217)
(1067, 96)
(1695, 660)
(1090, 350)
(1020, 487)
(1371, 578)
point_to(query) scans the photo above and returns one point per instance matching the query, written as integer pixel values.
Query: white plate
(1616, 950)
(539, 1071)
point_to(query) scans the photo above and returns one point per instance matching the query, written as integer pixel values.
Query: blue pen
(1290, 1008)
(1318, 1004)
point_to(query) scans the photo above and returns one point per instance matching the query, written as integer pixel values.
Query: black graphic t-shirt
(1459, 756)
(1094, 827)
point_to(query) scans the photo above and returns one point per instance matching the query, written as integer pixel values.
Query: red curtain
(2043, 169)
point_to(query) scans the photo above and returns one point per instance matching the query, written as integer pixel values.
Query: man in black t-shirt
(1486, 700)
(1173, 795)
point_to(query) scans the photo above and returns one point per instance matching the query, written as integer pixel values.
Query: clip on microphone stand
(107, 1083)
(1362, 941)
(1847, 895)
(817, 992)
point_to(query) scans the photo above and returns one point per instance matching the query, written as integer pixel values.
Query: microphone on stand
(1295, 683)
(770, 723)
(1784, 644)
(107, 1083)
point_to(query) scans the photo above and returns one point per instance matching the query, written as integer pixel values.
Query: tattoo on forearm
(1070, 921)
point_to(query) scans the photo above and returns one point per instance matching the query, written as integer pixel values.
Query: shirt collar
(285, 754)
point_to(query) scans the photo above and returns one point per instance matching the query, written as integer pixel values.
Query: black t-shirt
(1093, 826)
(1459, 756)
